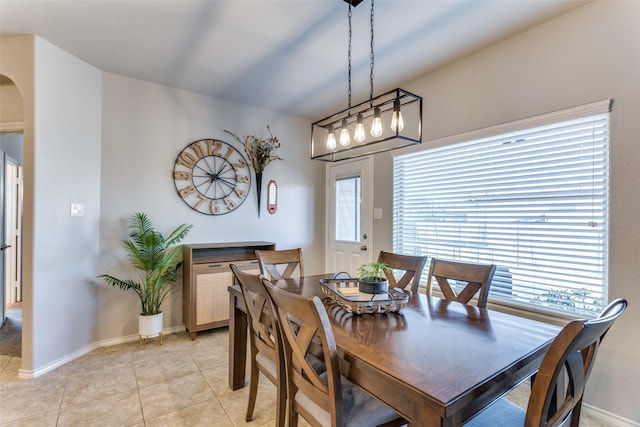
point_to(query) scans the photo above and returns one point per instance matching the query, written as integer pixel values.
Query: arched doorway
(11, 157)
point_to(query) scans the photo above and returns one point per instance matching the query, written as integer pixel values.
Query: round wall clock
(212, 177)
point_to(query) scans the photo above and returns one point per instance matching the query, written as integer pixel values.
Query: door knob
(4, 246)
(363, 247)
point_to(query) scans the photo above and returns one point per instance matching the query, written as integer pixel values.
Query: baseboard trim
(26, 374)
(607, 418)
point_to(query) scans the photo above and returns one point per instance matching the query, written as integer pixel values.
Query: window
(533, 201)
(348, 209)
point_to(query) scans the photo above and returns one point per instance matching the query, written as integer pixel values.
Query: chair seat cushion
(267, 364)
(359, 407)
(501, 413)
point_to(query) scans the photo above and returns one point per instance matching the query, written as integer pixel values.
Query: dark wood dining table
(436, 362)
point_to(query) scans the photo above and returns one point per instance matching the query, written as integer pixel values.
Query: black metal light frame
(410, 106)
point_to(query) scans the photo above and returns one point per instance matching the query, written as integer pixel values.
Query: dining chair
(266, 350)
(327, 399)
(280, 264)
(568, 361)
(474, 278)
(411, 265)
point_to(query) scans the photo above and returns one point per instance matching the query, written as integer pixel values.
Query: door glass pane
(348, 209)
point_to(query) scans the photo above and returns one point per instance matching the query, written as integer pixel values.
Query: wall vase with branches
(260, 151)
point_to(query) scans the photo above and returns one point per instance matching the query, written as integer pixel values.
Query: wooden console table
(206, 277)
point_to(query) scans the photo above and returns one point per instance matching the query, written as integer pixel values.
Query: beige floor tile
(218, 379)
(155, 351)
(47, 419)
(118, 410)
(28, 398)
(205, 414)
(235, 404)
(171, 365)
(90, 364)
(98, 384)
(173, 395)
(4, 359)
(520, 395)
(211, 356)
(124, 351)
(10, 369)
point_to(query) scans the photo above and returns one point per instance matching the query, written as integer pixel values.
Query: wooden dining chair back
(411, 265)
(474, 278)
(556, 394)
(266, 349)
(280, 264)
(325, 399)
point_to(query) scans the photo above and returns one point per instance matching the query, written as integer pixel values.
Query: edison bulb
(359, 134)
(376, 126)
(345, 139)
(331, 139)
(397, 123)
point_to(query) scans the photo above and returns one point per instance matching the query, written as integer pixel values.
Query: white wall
(145, 126)
(66, 156)
(586, 55)
(62, 122)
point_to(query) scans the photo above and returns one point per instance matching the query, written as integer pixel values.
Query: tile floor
(178, 383)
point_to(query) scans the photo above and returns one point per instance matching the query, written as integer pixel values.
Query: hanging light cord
(371, 56)
(349, 57)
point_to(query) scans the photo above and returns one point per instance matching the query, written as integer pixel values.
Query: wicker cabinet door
(212, 304)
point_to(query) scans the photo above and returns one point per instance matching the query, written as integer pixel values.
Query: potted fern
(158, 261)
(372, 279)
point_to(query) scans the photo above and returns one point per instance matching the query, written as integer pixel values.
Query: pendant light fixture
(389, 121)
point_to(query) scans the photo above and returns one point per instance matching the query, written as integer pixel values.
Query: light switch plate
(77, 209)
(377, 213)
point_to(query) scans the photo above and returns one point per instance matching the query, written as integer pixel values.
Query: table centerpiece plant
(372, 279)
(158, 260)
(260, 151)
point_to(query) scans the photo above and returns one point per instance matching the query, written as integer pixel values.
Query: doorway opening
(11, 194)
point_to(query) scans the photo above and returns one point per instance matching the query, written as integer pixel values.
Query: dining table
(435, 362)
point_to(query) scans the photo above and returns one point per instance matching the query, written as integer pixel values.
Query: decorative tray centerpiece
(347, 294)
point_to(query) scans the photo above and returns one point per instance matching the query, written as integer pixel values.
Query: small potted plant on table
(158, 262)
(372, 279)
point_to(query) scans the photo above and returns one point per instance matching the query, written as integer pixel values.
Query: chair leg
(281, 409)
(253, 388)
(281, 400)
(575, 416)
(293, 419)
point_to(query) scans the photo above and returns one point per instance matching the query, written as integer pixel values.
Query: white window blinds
(534, 202)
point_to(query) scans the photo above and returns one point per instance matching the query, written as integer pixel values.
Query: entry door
(349, 210)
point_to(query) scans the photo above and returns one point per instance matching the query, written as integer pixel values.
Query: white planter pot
(150, 326)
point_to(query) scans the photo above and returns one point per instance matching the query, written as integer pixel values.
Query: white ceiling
(283, 55)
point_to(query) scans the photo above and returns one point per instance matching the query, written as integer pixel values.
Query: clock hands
(217, 174)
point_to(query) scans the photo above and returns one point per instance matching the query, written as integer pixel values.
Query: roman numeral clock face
(212, 177)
